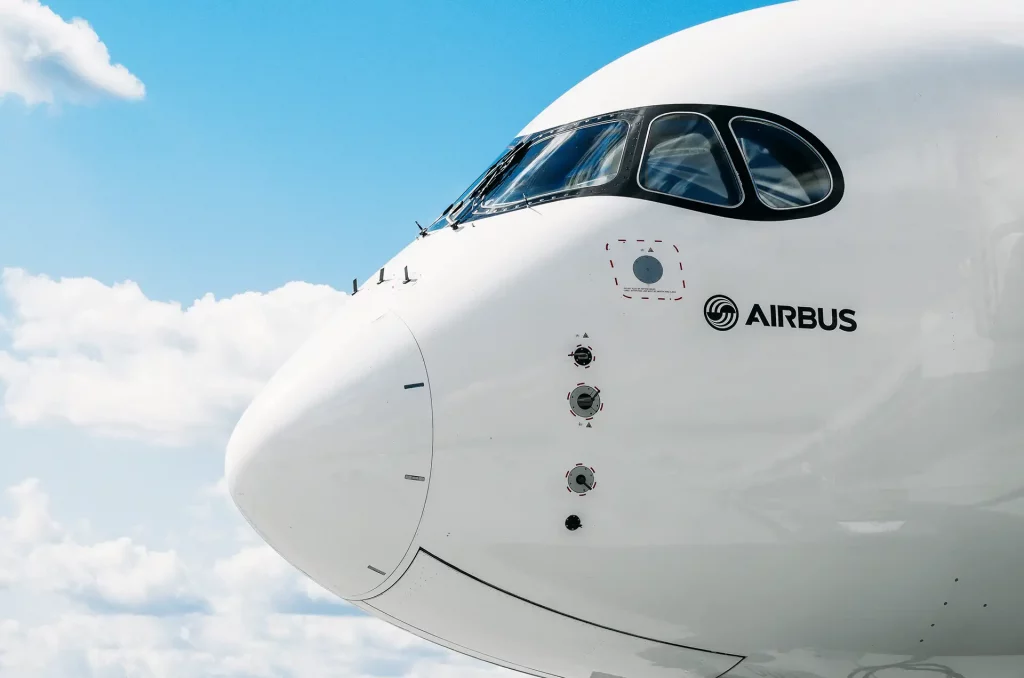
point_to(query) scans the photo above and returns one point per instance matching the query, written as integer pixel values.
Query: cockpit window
(459, 202)
(684, 157)
(787, 172)
(577, 158)
(673, 154)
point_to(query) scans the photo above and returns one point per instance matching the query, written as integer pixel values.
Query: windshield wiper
(487, 181)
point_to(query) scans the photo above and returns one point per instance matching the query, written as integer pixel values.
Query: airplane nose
(331, 461)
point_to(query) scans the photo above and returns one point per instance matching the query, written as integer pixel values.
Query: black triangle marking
(585, 336)
(588, 425)
(650, 249)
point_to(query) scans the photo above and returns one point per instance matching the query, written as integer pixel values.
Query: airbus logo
(722, 314)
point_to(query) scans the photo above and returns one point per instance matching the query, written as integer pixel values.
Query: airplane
(717, 370)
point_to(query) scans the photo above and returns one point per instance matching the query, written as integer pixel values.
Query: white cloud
(31, 522)
(112, 360)
(249, 624)
(43, 56)
(40, 555)
(108, 359)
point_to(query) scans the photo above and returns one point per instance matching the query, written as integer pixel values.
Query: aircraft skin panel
(827, 46)
(791, 435)
(494, 621)
(319, 490)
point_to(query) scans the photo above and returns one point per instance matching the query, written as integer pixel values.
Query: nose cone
(330, 463)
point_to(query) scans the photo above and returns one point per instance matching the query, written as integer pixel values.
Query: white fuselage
(771, 498)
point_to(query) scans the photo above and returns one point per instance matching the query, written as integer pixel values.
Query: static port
(583, 356)
(573, 523)
(585, 401)
(580, 479)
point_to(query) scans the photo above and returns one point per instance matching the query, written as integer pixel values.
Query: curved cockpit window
(787, 172)
(459, 202)
(684, 157)
(673, 154)
(578, 158)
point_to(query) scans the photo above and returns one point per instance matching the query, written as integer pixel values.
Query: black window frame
(799, 138)
(732, 171)
(627, 184)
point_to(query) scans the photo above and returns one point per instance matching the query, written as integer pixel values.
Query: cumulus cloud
(107, 358)
(39, 554)
(42, 56)
(250, 623)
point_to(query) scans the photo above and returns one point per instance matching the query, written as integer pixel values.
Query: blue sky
(283, 141)
(265, 154)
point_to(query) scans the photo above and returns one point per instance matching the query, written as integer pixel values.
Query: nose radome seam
(410, 552)
(331, 463)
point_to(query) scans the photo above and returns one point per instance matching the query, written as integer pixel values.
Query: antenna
(355, 286)
(527, 201)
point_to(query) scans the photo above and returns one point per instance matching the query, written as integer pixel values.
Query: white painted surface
(813, 501)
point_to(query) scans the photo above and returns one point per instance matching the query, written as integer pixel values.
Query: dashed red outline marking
(611, 262)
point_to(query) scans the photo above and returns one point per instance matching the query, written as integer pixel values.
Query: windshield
(456, 206)
(671, 154)
(577, 158)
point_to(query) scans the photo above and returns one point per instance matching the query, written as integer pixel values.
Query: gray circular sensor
(647, 269)
(585, 401)
(580, 479)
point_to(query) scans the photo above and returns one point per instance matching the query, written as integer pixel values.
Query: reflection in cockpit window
(787, 172)
(458, 204)
(684, 157)
(578, 158)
